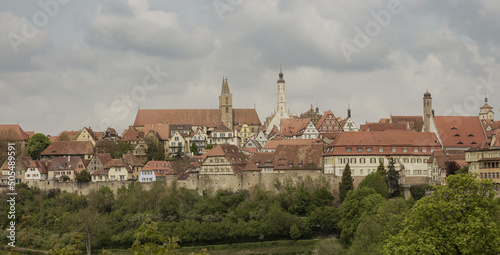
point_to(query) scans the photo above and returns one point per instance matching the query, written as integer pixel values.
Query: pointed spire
(485, 99)
(349, 111)
(225, 86)
(281, 74)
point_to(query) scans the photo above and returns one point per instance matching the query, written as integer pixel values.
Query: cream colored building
(364, 151)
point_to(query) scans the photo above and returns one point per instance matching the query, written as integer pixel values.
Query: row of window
(222, 135)
(490, 175)
(369, 149)
(375, 161)
(369, 171)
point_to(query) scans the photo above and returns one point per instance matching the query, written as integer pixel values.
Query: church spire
(225, 86)
(349, 111)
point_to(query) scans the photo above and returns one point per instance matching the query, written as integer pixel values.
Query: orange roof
(13, 132)
(64, 163)
(273, 144)
(222, 128)
(293, 127)
(383, 139)
(401, 126)
(69, 148)
(233, 154)
(459, 131)
(41, 165)
(415, 122)
(104, 158)
(53, 138)
(131, 134)
(195, 117)
(157, 165)
(298, 157)
(162, 130)
(68, 135)
(120, 162)
(486, 106)
(132, 160)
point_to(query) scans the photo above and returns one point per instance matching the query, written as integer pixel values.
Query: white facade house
(37, 171)
(311, 132)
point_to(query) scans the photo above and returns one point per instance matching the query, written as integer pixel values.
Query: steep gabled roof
(41, 165)
(161, 130)
(64, 163)
(459, 131)
(103, 157)
(222, 128)
(132, 160)
(69, 148)
(13, 132)
(293, 126)
(120, 162)
(273, 144)
(195, 117)
(233, 155)
(131, 135)
(298, 157)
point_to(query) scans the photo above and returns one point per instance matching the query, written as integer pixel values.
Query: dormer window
(460, 143)
(453, 128)
(470, 135)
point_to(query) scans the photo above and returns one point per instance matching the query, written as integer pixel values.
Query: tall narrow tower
(226, 104)
(427, 111)
(281, 110)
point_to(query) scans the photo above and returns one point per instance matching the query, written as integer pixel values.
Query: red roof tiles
(459, 131)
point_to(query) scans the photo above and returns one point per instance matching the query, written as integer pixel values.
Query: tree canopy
(376, 182)
(347, 183)
(37, 144)
(461, 217)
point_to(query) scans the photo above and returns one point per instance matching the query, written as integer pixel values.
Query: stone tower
(427, 111)
(226, 104)
(486, 112)
(281, 95)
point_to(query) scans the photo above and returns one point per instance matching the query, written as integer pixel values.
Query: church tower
(427, 111)
(486, 112)
(226, 104)
(281, 96)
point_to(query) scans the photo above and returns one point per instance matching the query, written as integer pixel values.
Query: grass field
(285, 247)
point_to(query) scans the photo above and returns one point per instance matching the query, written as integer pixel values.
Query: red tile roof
(415, 122)
(273, 144)
(68, 135)
(195, 117)
(403, 126)
(459, 131)
(296, 157)
(41, 165)
(64, 163)
(13, 132)
(131, 135)
(293, 127)
(233, 154)
(222, 128)
(383, 139)
(69, 148)
(104, 158)
(132, 160)
(120, 162)
(162, 130)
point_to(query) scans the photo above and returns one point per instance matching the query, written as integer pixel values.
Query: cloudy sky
(66, 64)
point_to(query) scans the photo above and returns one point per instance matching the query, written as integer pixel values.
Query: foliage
(463, 170)
(156, 149)
(418, 191)
(347, 183)
(358, 204)
(83, 176)
(374, 229)
(209, 146)
(451, 167)
(458, 218)
(294, 232)
(393, 180)
(37, 144)
(123, 148)
(381, 170)
(73, 248)
(376, 182)
(194, 149)
(107, 146)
